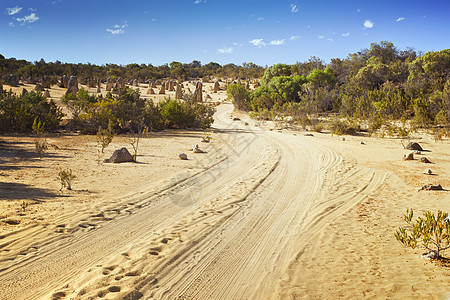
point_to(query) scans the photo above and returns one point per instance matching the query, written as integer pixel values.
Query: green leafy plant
(66, 177)
(431, 231)
(40, 144)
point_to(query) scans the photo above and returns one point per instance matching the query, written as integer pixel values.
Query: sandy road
(235, 230)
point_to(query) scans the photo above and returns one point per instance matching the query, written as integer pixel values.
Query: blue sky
(262, 32)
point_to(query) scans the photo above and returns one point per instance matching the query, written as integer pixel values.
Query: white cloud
(277, 42)
(118, 29)
(28, 19)
(13, 10)
(346, 34)
(358, 10)
(330, 40)
(238, 44)
(257, 43)
(321, 37)
(225, 50)
(400, 19)
(294, 37)
(199, 1)
(260, 19)
(368, 24)
(11, 24)
(294, 8)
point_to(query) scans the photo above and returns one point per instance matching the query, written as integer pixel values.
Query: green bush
(239, 95)
(343, 127)
(17, 113)
(431, 231)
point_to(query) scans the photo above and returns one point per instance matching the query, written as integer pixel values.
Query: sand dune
(262, 215)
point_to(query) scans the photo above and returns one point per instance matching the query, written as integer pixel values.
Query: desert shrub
(17, 113)
(66, 178)
(431, 231)
(105, 137)
(40, 143)
(180, 114)
(340, 127)
(239, 95)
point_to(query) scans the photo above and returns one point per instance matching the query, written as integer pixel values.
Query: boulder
(414, 146)
(120, 156)
(425, 160)
(428, 172)
(409, 156)
(182, 156)
(431, 187)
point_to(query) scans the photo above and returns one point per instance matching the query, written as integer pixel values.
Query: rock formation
(216, 87)
(150, 91)
(178, 92)
(47, 94)
(39, 88)
(64, 82)
(182, 156)
(72, 86)
(12, 80)
(409, 156)
(109, 84)
(198, 94)
(162, 91)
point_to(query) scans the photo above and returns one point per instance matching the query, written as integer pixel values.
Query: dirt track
(236, 230)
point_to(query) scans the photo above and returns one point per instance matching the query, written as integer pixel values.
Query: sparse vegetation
(104, 138)
(66, 178)
(431, 231)
(40, 144)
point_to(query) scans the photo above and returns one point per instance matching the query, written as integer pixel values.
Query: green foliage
(66, 178)
(142, 132)
(17, 113)
(274, 71)
(286, 87)
(431, 231)
(341, 127)
(239, 95)
(104, 138)
(178, 114)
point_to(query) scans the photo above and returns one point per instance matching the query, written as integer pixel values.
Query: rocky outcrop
(409, 156)
(432, 187)
(178, 92)
(120, 156)
(150, 91)
(47, 93)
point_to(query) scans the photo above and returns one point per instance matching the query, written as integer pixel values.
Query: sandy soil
(265, 214)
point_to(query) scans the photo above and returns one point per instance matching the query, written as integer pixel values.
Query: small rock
(182, 156)
(430, 255)
(362, 143)
(196, 149)
(309, 134)
(246, 123)
(427, 172)
(409, 156)
(425, 160)
(343, 139)
(414, 146)
(432, 187)
(236, 119)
